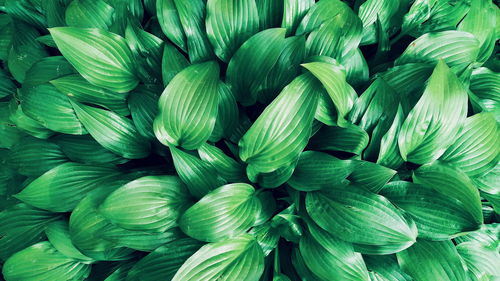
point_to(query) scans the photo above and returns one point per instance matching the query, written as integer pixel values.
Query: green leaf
(139, 240)
(225, 212)
(61, 188)
(7, 86)
(317, 170)
(370, 175)
(320, 13)
(362, 217)
(433, 123)
(332, 76)
(115, 133)
(101, 57)
(47, 69)
(172, 63)
(54, 12)
(389, 154)
(33, 157)
(351, 139)
(227, 115)
(193, 172)
(479, 259)
(22, 226)
(84, 149)
(426, 261)
(26, 11)
(226, 167)
(51, 108)
(256, 57)
(50, 265)
(267, 237)
(485, 84)
(457, 48)
(270, 13)
(58, 234)
(9, 133)
(76, 87)
(385, 268)
(293, 12)
(488, 182)
(278, 136)
(476, 148)
(25, 123)
(165, 261)
(89, 13)
(170, 23)
(453, 183)
(229, 24)
(437, 215)
(239, 258)
(5, 35)
(373, 10)
(273, 179)
(151, 203)
(331, 258)
(177, 123)
(301, 267)
(143, 104)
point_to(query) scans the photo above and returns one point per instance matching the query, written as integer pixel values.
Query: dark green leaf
(58, 234)
(225, 166)
(350, 139)
(89, 13)
(143, 104)
(84, 149)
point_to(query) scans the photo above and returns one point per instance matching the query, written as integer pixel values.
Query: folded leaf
(115, 133)
(101, 57)
(351, 139)
(239, 258)
(426, 261)
(89, 13)
(61, 188)
(229, 24)
(370, 175)
(385, 268)
(225, 212)
(480, 260)
(267, 237)
(293, 12)
(170, 23)
(475, 149)
(172, 63)
(389, 154)
(58, 234)
(226, 166)
(151, 203)
(278, 136)
(188, 107)
(432, 125)
(227, 115)
(371, 11)
(50, 265)
(143, 104)
(359, 216)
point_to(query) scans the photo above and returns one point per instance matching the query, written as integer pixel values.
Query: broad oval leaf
(86, 150)
(320, 13)
(480, 260)
(362, 217)
(476, 148)
(223, 213)
(89, 13)
(115, 133)
(239, 258)
(47, 69)
(229, 24)
(151, 203)
(433, 123)
(428, 261)
(173, 61)
(227, 115)
(101, 57)
(50, 265)
(227, 167)
(61, 188)
(188, 107)
(58, 235)
(170, 23)
(370, 175)
(281, 132)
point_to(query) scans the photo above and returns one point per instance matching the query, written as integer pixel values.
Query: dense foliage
(248, 140)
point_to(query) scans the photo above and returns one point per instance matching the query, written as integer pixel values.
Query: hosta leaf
(317, 170)
(89, 13)
(320, 13)
(331, 258)
(177, 123)
(84, 149)
(7, 86)
(227, 115)
(58, 234)
(301, 267)
(370, 175)
(226, 166)
(22, 226)
(193, 172)
(278, 136)
(150, 203)
(54, 12)
(373, 10)
(486, 236)
(332, 76)
(389, 155)
(267, 237)
(479, 259)
(51, 108)
(346, 211)
(443, 15)
(457, 48)
(139, 240)
(485, 84)
(115, 133)
(25, 123)
(47, 69)
(489, 181)
(143, 104)
(239, 258)
(476, 148)
(229, 24)
(256, 57)
(270, 13)
(437, 216)
(164, 262)
(9, 133)
(61, 188)
(357, 72)
(170, 23)
(272, 179)
(385, 268)
(433, 123)
(26, 12)
(350, 139)
(101, 57)
(453, 183)
(293, 12)
(172, 63)
(419, 12)
(50, 265)
(33, 157)
(223, 213)
(76, 87)
(5, 35)
(427, 260)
